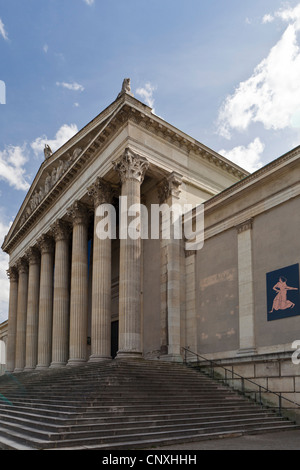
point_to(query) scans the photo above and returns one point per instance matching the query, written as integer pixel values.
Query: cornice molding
(267, 170)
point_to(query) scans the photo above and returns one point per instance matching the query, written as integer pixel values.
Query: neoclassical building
(77, 297)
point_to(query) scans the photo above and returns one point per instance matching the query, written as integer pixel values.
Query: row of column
(49, 304)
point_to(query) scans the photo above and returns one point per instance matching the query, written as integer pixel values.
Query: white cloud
(45, 48)
(290, 15)
(71, 86)
(271, 96)
(3, 33)
(146, 93)
(268, 19)
(12, 162)
(248, 158)
(89, 2)
(65, 133)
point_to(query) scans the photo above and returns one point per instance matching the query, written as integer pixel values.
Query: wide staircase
(123, 405)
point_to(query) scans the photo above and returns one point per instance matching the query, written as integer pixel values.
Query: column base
(57, 365)
(129, 355)
(17, 371)
(95, 358)
(29, 369)
(41, 367)
(171, 358)
(76, 362)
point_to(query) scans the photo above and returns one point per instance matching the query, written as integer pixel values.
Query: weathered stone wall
(217, 294)
(275, 372)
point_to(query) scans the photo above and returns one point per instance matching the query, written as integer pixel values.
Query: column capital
(78, 213)
(45, 244)
(169, 186)
(246, 225)
(100, 192)
(189, 253)
(12, 273)
(131, 166)
(22, 266)
(60, 230)
(33, 255)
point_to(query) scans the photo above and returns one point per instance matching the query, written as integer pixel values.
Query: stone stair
(123, 405)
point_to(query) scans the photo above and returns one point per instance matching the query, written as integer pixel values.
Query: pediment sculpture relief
(51, 179)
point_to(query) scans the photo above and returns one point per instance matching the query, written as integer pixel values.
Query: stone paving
(286, 440)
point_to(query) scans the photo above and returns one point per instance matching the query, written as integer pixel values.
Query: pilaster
(169, 193)
(246, 291)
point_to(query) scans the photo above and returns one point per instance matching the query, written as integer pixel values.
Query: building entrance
(114, 338)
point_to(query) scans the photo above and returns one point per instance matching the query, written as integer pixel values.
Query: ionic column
(21, 315)
(33, 257)
(61, 296)
(246, 295)
(131, 168)
(101, 193)
(79, 285)
(169, 193)
(46, 247)
(12, 319)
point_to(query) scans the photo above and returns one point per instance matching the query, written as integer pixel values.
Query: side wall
(260, 223)
(217, 294)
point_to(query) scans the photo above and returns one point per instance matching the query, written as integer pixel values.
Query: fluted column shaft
(12, 319)
(79, 285)
(101, 194)
(61, 295)
(33, 257)
(45, 302)
(169, 193)
(131, 168)
(21, 316)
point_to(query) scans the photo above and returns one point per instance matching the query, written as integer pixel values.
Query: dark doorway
(114, 338)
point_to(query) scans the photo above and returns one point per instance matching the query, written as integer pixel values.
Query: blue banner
(283, 293)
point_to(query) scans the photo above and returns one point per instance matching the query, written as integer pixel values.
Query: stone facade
(75, 297)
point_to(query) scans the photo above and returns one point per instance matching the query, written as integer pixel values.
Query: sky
(226, 72)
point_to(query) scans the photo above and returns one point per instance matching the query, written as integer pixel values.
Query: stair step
(120, 404)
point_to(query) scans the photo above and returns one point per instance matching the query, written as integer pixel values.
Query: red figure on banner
(281, 302)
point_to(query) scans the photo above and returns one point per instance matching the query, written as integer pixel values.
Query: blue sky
(226, 72)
